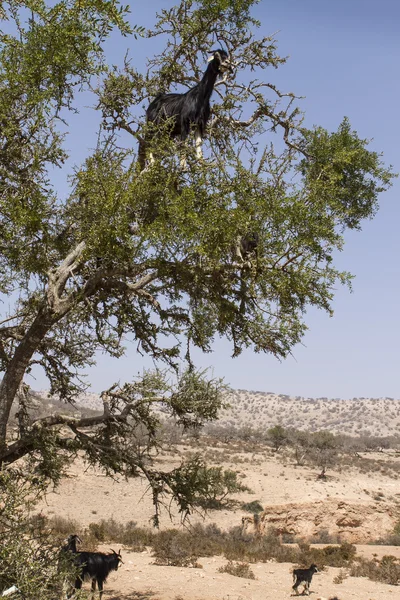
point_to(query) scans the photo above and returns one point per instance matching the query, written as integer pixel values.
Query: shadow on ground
(131, 595)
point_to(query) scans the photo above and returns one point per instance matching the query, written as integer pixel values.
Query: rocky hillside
(358, 416)
(351, 522)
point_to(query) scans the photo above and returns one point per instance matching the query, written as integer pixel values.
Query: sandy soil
(140, 579)
(88, 496)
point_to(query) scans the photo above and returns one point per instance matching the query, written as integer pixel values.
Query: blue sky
(344, 58)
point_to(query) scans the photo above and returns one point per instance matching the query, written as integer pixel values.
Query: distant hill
(358, 416)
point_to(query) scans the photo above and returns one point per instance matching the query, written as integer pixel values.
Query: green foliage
(343, 174)
(278, 436)
(51, 55)
(28, 557)
(194, 484)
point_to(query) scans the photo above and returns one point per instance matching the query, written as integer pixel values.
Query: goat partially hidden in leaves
(188, 111)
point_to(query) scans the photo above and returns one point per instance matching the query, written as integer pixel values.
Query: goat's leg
(198, 142)
(100, 586)
(183, 163)
(77, 586)
(149, 162)
(93, 587)
(78, 583)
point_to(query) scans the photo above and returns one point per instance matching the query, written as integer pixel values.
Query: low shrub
(340, 577)
(241, 569)
(175, 548)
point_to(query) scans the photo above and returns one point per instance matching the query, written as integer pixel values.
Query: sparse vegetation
(386, 570)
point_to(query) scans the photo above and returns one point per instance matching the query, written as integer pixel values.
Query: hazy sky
(344, 58)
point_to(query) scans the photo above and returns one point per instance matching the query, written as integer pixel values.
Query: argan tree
(156, 256)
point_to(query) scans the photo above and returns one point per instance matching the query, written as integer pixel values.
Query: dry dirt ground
(87, 496)
(139, 579)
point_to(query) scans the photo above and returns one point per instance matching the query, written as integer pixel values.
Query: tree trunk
(15, 372)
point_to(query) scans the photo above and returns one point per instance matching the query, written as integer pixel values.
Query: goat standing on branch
(187, 111)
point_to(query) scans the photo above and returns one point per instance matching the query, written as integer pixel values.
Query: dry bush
(340, 577)
(387, 570)
(105, 530)
(258, 549)
(62, 527)
(238, 570)
(175, 548)
(324, 537)
(331, 556)
(128, 534)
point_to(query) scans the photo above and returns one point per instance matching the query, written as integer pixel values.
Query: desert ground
(139, 579)
(360, 506)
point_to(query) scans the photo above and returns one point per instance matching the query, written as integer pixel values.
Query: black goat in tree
(188, 111)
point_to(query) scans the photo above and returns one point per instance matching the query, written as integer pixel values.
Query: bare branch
(59, 277)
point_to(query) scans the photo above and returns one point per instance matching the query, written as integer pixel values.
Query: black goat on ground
(304, 576)
(187, 111)
(95, 567)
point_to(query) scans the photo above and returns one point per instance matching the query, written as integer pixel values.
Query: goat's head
(73, 538)
(221, 61)
(71, 542)
(118, 557)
